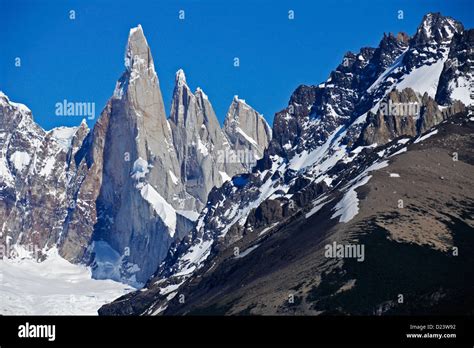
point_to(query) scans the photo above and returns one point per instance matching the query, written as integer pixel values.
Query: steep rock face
(270, 211)
(82, 215)
(288, 125)
(390, 47)
(431, 41)
(435, 29)
(36, 177)
(404, 113)
(135, 170)
(141, 101)
(247, 131)
(457, 70)
(203, 149)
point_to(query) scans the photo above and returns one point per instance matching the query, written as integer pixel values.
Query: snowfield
(423, 79)
(53, 287)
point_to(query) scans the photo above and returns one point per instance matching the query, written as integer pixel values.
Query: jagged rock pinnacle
(180, 78)
(137, 51)
(436, 27)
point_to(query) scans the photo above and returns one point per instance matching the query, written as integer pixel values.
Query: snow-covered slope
(53, 287)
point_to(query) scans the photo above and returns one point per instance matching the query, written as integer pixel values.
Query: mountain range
(117, 196)
(239, 219)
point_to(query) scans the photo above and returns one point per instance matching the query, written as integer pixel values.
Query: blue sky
(81, 59)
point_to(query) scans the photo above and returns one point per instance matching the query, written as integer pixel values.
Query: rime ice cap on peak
(180, 78)
(137, 50)
(200, 92)
(240, 101)
(180, 82)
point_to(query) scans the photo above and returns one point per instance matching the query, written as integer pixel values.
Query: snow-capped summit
(201, 93)
(180, 78)
(137, 51)
(436, 28)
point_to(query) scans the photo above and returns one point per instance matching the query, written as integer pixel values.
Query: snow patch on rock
(20, 160)
(164, 210)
